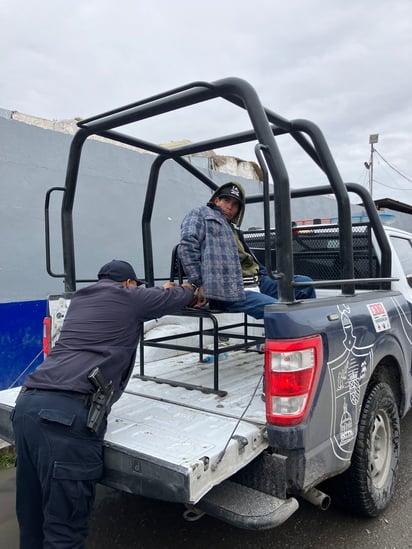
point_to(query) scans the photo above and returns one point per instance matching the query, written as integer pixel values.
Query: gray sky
(345, 65)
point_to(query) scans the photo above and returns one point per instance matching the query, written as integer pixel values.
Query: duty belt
(85, 397)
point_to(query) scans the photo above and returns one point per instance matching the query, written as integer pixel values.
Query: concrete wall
(107, 209)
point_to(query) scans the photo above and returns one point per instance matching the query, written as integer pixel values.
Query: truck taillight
(292, 369)
(46, 335)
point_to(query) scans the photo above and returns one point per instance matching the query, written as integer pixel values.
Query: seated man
(218, 262)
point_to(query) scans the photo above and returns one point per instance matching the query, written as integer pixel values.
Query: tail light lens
(46, 335)
(292, 369)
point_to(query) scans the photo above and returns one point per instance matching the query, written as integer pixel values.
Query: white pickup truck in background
(401, 242)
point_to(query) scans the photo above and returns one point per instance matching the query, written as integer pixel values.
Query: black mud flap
(245, 507)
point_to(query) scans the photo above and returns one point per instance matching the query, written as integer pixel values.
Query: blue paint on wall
(21, 340)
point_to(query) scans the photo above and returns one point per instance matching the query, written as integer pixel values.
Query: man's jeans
(255, 302)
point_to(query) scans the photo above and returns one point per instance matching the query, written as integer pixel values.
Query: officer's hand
(201, 301)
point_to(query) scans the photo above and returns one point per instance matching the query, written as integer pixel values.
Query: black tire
(366, 488)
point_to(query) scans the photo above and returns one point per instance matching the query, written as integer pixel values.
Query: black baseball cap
(231, 190)
(119, 271)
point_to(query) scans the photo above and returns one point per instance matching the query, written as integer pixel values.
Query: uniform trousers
(59, 462)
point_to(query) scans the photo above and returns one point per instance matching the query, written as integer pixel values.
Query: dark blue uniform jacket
(102, 328)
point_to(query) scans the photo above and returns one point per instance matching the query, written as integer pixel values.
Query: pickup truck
(238, 419)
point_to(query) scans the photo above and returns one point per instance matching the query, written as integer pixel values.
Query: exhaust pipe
(318, 498)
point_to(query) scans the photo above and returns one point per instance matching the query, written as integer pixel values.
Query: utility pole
(373, 138)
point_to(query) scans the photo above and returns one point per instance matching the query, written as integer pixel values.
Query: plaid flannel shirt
(209, 254)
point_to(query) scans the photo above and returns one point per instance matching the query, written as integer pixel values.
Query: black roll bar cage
(265, 126)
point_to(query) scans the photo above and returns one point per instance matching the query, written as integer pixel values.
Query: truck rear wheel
(367, 486)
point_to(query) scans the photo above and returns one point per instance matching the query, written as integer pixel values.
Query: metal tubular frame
(265, 125)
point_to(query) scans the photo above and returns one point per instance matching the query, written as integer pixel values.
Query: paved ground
(8, 524)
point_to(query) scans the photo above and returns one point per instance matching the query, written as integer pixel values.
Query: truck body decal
(348, 373)
(379, 316)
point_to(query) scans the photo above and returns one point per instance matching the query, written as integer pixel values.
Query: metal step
(245, 507)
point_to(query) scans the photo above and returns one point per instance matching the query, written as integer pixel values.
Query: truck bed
(166, 442)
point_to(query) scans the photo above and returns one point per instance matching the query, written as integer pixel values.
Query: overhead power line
(392, 186)
(393, 167)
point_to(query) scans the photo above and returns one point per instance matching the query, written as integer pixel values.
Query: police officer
(59, 458)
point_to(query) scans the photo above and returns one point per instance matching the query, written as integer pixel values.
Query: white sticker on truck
(379, 317)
